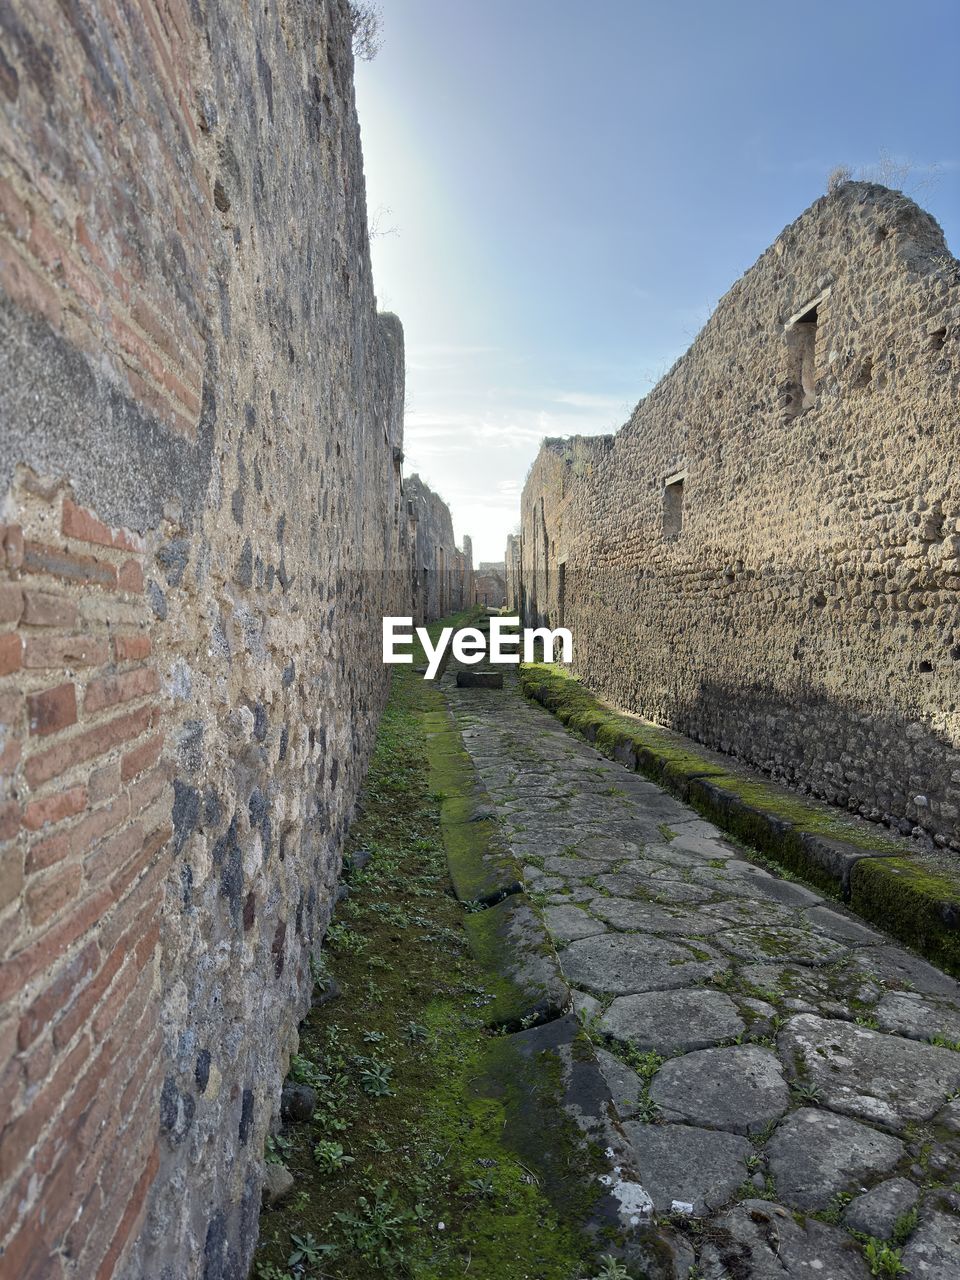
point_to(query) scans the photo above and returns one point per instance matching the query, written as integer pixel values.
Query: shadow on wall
(878, 764)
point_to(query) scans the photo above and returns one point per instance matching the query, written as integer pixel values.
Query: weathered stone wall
(512, 572)
(200, 471)
(489, 584)
(441, 575)
(767, 555)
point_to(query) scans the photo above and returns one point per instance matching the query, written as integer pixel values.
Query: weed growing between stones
(402, 1169)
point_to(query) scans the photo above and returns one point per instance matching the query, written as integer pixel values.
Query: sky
(560, 191)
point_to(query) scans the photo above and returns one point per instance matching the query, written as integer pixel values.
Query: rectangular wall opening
(673, 505)
(801, 333)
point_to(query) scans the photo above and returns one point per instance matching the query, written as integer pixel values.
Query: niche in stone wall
(801, 333)
(673, 505)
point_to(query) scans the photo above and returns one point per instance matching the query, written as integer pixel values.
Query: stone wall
(766, 557)
(489, 584)
(203, 524)
(512, 574)
(441, 575)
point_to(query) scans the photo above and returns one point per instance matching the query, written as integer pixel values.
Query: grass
(405, 1168)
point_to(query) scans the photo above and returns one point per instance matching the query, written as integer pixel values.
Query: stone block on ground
(670, 1022)
(479, 679)
(511, 943)
(815, 1154)
(759, 1240)
(875, 1213)
(679, 1162)
(740, 1088)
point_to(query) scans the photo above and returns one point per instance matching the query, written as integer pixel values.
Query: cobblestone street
(786, 1075)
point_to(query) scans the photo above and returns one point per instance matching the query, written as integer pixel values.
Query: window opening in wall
(561, 591)
(801, 331)
(673, 504)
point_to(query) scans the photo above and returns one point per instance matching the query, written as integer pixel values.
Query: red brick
(136, 907)
(11, 602)
(29, 1255)
(13, 546)
(11, 653)
(27, 287)
(134, 345)
(11, 874)
(44, 898)
(85, 746)
(135, 1201)
(52, 710)
(64, 651)
(108, 856)
(107, 691)
(130, 578)
(65, 804)
(41, 953)
(131, 648)
(22, 1133)
(82, 524)
(94, 251)
(80, 282)
(13, 211)
(72, 976)
(141, 758)
(148, 788)
(10, 756)
(45, 246)
(84, 570)
(9, 819)
(76, 840)
(104, 782)
(41, 609)
(152, 845)
(75, 1017)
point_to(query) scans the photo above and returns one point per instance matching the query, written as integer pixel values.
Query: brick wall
(767, 555)
(203, 523)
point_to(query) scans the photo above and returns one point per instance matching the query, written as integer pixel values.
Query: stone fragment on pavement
(619, 963)
(876, 1077)
(875, 1213)
(672, 1022)
(759, 1240)
(933, 1251)
(740, 1088)
(678, 1162)
(815, 1154)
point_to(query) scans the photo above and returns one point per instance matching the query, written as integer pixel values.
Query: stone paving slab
(757, 1038)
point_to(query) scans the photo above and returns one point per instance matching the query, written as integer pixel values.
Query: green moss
(919, 906)
(434, 1149)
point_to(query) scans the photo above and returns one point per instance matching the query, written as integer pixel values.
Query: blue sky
(562, 190)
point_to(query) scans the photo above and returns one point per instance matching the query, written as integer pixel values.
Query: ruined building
(203, 523)
(441, 576)
(766, 556)
(489, 584)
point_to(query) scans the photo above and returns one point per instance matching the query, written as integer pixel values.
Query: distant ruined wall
(512, 574)
(441, 575)
(766, 557)
(489, 584)
(203, 523)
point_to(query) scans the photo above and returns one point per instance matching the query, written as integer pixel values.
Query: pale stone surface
(740, 1088)
(616, 964)
(670, 1022)
(626, 1087)
(626, 915)
(863, 1073)
(814, 1154)
(567, 923)
(778, 943)
(911, 1015)
(763, 1241)
(933, 1251)
(875, 1213)
(701, 1167)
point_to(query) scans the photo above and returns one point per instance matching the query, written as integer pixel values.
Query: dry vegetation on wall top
(766, 557)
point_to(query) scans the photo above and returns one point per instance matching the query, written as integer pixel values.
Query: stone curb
(877, 876)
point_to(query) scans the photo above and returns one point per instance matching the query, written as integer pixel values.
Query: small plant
(883, 1260)
(377, 1228)
(417, 1033)
(483, 1188)
(612, 1268)
(330, 1156)
(375, 1079)
(308, 1252)
(806, 1093)
(277, 1147)
(905, 1226)
(306, 1072)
